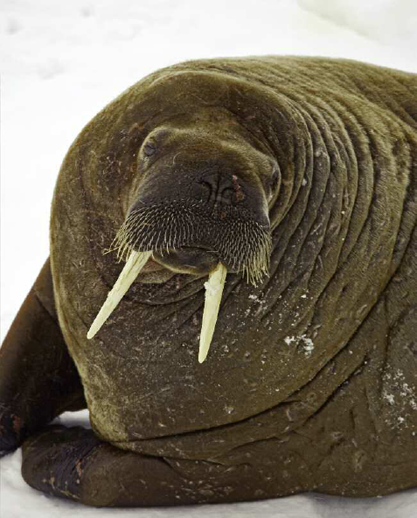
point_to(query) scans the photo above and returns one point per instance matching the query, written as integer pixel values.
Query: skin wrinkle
(357, 191)
(295, 424)
(332, 396)
(325, 232)
(360, 87)
(377, 181)
(182, 309)
(87, 212)
(373, 418)
(261, 145)
(391, 105)
(406, 248)
(349, 152)
(267, 138)
(303, 215)
(286, 215)
(384, 364)
(364, 218)
(404, 206)
(298, 118)
(324, 195)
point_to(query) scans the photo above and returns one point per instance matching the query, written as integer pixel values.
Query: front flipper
(38, 378)
(73, 463)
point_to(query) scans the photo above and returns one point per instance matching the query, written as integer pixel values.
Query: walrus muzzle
(191, 237)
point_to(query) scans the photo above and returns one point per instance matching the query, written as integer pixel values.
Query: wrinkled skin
(311, 379)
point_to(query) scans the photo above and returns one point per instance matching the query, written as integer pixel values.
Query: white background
(61, 62)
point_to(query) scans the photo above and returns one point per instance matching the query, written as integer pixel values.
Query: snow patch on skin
(306, 343)
(261, 304)
(290, 339)
(389, 397)
(401, 397)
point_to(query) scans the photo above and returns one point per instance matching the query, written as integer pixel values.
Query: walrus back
(388, 88)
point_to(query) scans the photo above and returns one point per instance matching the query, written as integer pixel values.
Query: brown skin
(310, 383)
(36, 371)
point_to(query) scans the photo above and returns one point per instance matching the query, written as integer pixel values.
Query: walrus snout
(201, 199)
(187, 236)
(193, 260)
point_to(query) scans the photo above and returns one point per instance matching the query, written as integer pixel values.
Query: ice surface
(61, 62)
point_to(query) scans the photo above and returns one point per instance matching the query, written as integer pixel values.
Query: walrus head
(200, 208)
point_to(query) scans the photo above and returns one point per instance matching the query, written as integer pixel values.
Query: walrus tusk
(137, 260)
(133, 266)
(214, 289)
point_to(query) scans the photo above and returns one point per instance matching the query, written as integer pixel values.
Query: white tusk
(133, 266)
(214, 289)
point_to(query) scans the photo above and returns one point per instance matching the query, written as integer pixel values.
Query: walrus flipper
(38, 379)
(74, 463)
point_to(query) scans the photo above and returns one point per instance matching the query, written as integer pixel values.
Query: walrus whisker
(214, 290)
(242, 244)
(134, 265)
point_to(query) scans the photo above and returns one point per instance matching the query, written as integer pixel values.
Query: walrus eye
(149, 149)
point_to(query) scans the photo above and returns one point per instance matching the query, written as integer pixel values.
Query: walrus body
(311, 380)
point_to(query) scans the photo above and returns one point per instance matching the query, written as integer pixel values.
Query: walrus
(231, 291)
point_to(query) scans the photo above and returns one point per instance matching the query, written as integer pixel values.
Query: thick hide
(305, 167)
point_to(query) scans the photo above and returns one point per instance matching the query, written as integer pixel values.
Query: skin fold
(304, 168)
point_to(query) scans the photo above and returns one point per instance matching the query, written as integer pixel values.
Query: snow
(61, 62)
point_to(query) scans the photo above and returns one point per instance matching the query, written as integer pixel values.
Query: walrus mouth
(240, 241)
(239, 244)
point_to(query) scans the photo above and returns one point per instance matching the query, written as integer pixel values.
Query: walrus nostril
(219, 188)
